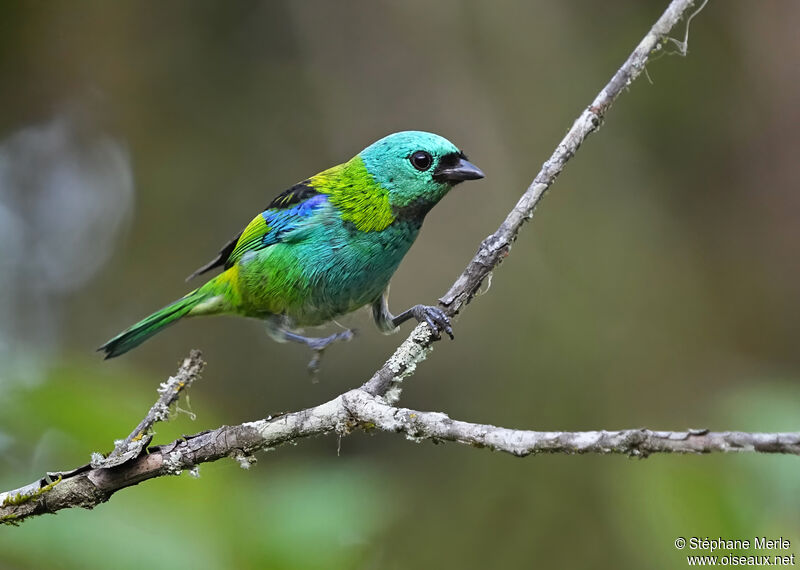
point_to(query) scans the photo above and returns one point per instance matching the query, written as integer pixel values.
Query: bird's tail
(147, 327)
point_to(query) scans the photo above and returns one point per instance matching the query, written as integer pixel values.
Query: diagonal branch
(370, 407)
(90, 486)
(169, 392)
(497, 246)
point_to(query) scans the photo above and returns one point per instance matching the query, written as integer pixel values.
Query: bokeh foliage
(657, 285)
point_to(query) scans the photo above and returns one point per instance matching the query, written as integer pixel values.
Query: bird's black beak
(456, 168)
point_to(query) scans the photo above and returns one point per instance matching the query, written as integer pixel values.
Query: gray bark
(372, 406)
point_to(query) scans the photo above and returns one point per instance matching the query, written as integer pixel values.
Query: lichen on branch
(371, 407)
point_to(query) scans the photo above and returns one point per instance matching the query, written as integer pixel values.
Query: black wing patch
(218, 261)
(286, 199)
(294, 195)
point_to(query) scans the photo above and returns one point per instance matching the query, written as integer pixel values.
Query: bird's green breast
(336, 257)
(325, 269)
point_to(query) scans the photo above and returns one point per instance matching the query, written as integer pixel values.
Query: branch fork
(372, 406)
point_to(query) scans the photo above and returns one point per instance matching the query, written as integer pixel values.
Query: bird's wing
(280, 216)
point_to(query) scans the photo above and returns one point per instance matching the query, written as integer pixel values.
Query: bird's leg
(278, 330)
(436, 319)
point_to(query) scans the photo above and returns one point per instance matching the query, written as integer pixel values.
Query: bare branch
(90, 486)
(372, 412)
(169, 392)
(371, 406)
(497, 246)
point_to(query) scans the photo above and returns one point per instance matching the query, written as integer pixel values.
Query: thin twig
(371, 405)
(169, 392)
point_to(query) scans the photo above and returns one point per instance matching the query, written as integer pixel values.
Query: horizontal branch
(372, 412)
(94, 483)
(371, 406)
(90, 486)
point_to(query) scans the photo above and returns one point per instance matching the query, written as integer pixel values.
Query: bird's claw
(436, 319)
(318, 345)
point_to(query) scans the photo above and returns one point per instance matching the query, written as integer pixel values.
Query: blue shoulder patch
(286, 219)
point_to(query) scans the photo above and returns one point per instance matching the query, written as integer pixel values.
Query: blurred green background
(656, 286)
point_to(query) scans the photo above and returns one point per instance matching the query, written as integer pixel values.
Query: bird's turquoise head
(417, 168)
(402, 175)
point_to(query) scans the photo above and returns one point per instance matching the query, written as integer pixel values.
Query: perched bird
(326, 246)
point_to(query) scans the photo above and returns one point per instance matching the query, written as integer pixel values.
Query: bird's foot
(436, 319)
(318, 345)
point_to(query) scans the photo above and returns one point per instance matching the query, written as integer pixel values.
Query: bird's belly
(318, 279)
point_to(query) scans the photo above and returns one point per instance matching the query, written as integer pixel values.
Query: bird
(325, 247)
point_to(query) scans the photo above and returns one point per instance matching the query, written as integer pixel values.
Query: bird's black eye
(421, 160)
